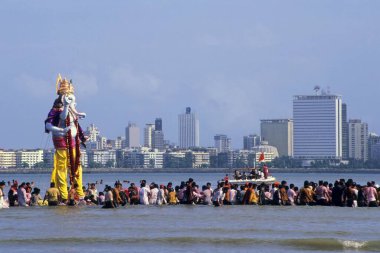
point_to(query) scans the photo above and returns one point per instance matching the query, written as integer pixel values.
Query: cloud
(257, 36)
(227, 101)
(85, 84)
(211, 40)
(34, 86)
(131, 81)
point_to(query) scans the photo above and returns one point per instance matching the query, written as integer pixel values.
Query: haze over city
(232, 62)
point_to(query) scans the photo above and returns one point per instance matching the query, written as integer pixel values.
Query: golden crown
(63, 86)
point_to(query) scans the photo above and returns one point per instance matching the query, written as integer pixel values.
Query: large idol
(67, 134)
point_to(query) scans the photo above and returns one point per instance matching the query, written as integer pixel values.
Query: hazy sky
(233, 62)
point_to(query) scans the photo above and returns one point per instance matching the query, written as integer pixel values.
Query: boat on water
(268, 181)
(256, 176)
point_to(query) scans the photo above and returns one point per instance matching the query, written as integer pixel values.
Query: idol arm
(55, 129)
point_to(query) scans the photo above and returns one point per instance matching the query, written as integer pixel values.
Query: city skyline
(230, 61)
(235, 143)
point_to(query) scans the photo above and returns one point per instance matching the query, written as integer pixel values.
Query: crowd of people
(340, 193)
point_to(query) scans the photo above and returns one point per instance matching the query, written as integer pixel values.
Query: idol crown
(63, 86)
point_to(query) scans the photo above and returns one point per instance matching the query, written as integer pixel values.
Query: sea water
(189, 228)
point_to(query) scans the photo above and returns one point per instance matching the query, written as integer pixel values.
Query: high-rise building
(358, 139)
(158, 124)
(317, 127)
(375, 151)
(222, 143)
(92, 133)
(95, 140)
(344, 132)
(278, 133)
(251, 141)
(148, 135)
(188, 129)
(158, 135)
(132, 136)
(373, 143)
(101, 142)
(119, 142)
(158, 140)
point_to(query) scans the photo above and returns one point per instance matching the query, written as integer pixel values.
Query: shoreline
(191, 170)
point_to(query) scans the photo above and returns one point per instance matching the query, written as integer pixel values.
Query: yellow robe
(59, 173)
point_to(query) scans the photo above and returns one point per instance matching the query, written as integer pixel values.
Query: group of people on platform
(341, 193)
(255, 173)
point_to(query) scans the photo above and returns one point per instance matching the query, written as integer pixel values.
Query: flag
(262, 157)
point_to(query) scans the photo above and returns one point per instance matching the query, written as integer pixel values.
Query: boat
(256, 176)
(268, 181)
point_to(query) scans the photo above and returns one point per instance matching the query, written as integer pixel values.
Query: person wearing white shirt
(153, 195)
(291, 194)
(144, 193)
(218, 195)
(233, 193)
(161, 198)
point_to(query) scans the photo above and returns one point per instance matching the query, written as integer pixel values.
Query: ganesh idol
(62, 122)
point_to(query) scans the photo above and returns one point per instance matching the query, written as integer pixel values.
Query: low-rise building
(29, 158)
(105, 158)
(7, 158)
(201, 159)
(270, 152)
(152, 159)
(142, 157)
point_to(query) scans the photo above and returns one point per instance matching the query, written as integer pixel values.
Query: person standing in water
(52, 195)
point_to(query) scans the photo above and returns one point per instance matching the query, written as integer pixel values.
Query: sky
(232, 62)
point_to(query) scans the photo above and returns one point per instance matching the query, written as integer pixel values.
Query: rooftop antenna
(328, 90)
(316, 89)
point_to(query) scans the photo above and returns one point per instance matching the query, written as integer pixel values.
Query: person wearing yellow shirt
(173, 200)
(253, 200)
(52, 195)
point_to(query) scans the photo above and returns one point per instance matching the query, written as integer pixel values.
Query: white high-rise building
(357, 139)
(119, 142)
(317, 122)
(148, 135)
(188, 129)
(132, 136)
(92, 133)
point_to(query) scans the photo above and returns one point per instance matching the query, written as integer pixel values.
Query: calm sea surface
(189, 228)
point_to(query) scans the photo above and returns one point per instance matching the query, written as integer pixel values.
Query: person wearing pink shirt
(370, 194)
